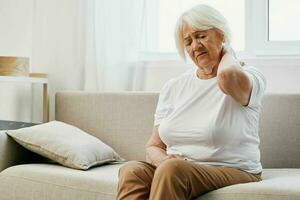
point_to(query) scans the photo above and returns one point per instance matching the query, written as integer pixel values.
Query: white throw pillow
(65, 144)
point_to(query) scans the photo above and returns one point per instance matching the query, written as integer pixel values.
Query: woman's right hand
(167, 157)
(156, 150)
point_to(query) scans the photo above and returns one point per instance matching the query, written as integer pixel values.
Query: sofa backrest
(280, 131)
(125, 120)
(122, 120)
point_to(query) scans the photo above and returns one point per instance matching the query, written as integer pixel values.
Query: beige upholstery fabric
(55, 182)
(8, 147)
(65, 144)
(280, 131)
(124, 121)
(12, 153)
(120, 119)
(277, 184)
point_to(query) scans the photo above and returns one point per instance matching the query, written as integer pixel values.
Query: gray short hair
(201, 17)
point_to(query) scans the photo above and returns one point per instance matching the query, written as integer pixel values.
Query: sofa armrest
(11, 153)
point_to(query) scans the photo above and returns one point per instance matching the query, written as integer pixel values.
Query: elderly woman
(205, 133)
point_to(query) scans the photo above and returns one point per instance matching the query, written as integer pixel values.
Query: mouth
(201, 54)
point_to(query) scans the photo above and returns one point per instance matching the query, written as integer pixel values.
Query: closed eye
(187, 42)
(201, 36)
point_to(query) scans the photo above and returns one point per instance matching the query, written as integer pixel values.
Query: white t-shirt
(199, 122)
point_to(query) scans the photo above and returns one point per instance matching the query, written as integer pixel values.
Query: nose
(196, 45)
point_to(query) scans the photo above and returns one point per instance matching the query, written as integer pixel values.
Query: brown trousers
(175, 179)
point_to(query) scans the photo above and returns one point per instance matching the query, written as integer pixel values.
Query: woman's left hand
(176, 157)
(228, 50)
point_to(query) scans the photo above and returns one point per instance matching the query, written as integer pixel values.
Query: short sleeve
(165, 103)
(258, 86)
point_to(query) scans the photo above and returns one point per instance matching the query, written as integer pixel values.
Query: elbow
(226, 78)
(147, 145)
(157, 146)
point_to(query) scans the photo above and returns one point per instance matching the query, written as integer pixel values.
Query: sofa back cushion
(280, 131)
(125, 120)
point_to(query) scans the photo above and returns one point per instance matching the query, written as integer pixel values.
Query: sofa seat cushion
(55, 182)
(277, 184)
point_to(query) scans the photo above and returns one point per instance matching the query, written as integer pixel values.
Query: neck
(207, 72)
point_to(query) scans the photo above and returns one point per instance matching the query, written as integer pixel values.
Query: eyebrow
(193, 33)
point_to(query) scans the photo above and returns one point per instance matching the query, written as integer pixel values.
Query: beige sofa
(124, 121)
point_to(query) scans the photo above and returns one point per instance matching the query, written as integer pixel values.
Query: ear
(221, 37)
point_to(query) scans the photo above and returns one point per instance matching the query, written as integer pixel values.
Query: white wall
(49, 33)
(60, 58)
(15, 40)
(282, 74)
(56, 48)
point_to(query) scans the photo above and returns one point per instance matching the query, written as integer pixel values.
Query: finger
(178, 157)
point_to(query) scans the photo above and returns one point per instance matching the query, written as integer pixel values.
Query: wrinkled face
(204, 47)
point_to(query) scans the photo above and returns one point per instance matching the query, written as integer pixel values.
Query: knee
(171, 169)
(131, 168)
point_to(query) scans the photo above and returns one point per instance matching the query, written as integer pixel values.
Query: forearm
(232, 79)
(155, 155)
(229, 73)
